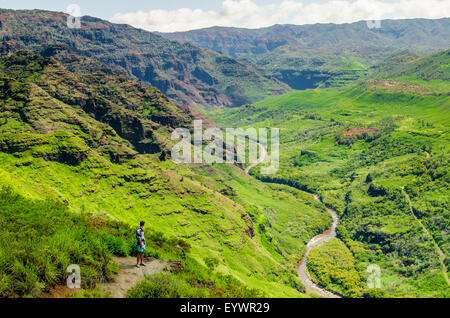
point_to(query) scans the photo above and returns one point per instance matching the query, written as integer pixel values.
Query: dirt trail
(438, 249)
(130, 275)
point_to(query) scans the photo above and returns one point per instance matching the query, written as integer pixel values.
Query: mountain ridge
(292, 30)
(185, 73)
(322, 55)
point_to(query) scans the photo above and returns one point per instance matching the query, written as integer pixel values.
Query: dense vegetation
(39, 240)
(358, 147)
(332, 266)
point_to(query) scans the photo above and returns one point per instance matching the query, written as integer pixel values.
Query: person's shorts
(140, 249)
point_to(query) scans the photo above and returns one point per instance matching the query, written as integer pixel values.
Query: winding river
(320, 238)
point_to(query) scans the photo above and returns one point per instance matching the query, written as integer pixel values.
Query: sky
(178, 15)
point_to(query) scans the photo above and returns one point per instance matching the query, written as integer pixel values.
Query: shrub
(332, 266)
(116, 245)
(40, 238)
(162, 286)
(374, 293)
(192, 280)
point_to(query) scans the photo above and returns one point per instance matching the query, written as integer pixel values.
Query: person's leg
(142, 258)
(138, 257)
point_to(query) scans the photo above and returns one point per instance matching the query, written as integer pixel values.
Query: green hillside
(358, 148)
(188, 74)
(413, 67)
(92, 147)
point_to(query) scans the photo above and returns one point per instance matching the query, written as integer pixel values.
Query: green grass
(166, 206)
(39, 239)
(193, 281)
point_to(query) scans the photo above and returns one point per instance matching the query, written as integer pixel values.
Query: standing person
(140, 243)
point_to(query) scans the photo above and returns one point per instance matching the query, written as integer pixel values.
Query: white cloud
(247, 14)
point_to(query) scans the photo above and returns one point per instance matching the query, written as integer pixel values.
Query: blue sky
(105, 9)
(177, 15)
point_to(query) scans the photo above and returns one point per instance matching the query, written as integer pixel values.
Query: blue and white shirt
(140, 235)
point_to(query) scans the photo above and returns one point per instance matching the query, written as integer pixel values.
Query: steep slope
(306, 56)
(95, 141)
(362, 149)
(140, 115)
(189, 75)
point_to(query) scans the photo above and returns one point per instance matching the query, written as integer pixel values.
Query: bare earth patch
(402, 87)
(130, 275)
(352, 132)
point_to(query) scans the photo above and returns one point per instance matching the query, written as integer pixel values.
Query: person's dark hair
(142, 223)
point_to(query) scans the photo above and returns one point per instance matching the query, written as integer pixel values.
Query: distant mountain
(306, 56)
(185, 73)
